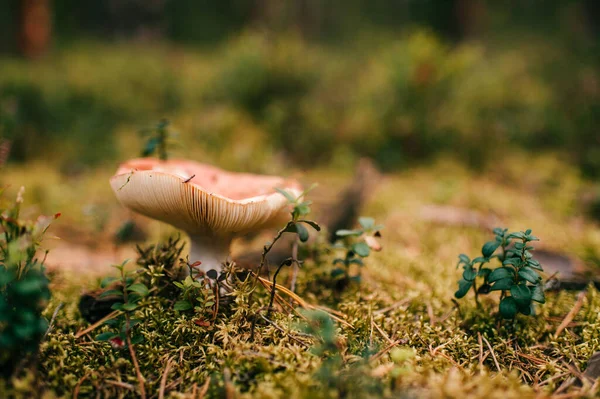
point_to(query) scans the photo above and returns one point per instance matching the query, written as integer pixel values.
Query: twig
(78, 386)
(572, 313)
(384, 350)
(97, 324)
(493, 354)
(283, 331)
(163, 380)
(295, 266)
(204, 389)
(548, 380)
(480, 341)
(383, 334)
(274, 286)
(430, 314)
(121, 384)
(392, 307)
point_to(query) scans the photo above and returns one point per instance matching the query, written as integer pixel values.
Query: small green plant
(516, 277)
(131, 293)
(159, 265)
(157, 140)
(357, 245)
(200, 292)
(24, 288)
(300, 209)
(350, 375)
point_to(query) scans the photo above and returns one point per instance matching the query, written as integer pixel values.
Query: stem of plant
(274, 289)
(295, 266)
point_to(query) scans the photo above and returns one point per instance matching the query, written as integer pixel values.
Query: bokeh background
(506, 92)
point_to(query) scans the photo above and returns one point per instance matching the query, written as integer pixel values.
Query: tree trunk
(35, 28)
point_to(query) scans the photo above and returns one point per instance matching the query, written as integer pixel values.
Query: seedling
(300, 209)
(158, 140)
(357, 245)
(516, 278)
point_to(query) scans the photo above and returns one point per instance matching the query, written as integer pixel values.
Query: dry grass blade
(493, 354)
(572, 313)
(268, 284)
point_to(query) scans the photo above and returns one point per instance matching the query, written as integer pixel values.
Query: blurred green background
(253, 83)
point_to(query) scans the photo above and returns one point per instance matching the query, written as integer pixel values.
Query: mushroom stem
(212, 251)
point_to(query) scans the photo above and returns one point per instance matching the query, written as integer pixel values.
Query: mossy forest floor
(403, 334)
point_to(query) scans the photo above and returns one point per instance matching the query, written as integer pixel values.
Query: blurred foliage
(301, 82)
(24, 288)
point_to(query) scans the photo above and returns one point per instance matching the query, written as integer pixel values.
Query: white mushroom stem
(211, 251)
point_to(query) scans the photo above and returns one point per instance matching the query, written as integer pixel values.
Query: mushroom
(210, 204)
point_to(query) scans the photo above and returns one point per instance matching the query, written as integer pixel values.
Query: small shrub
(516, 277)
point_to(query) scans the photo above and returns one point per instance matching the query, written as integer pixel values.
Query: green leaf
(503, 284)
(105, 336)
(302, 232)
(530, 275)
(508, 308)
(525, 308)
(534, 264)
(287, 195)
(462, 258)
(513, 261)
(337, 272)
(345, 233)
(356, 261)
(182, 305)
(129, 306)
(106, 281)
(469, 274)
(500, 273)
(138, 288)
(366, 222)
(537, 294)
(108, 293)
(361, 249)
(338, 260)
(463, 287)
(484, 272)
(518, 235)
(480, 259)
(521, 293)
(117, 306)
(312, 224)
(302, 209)
(489, 248)
(137, 339)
